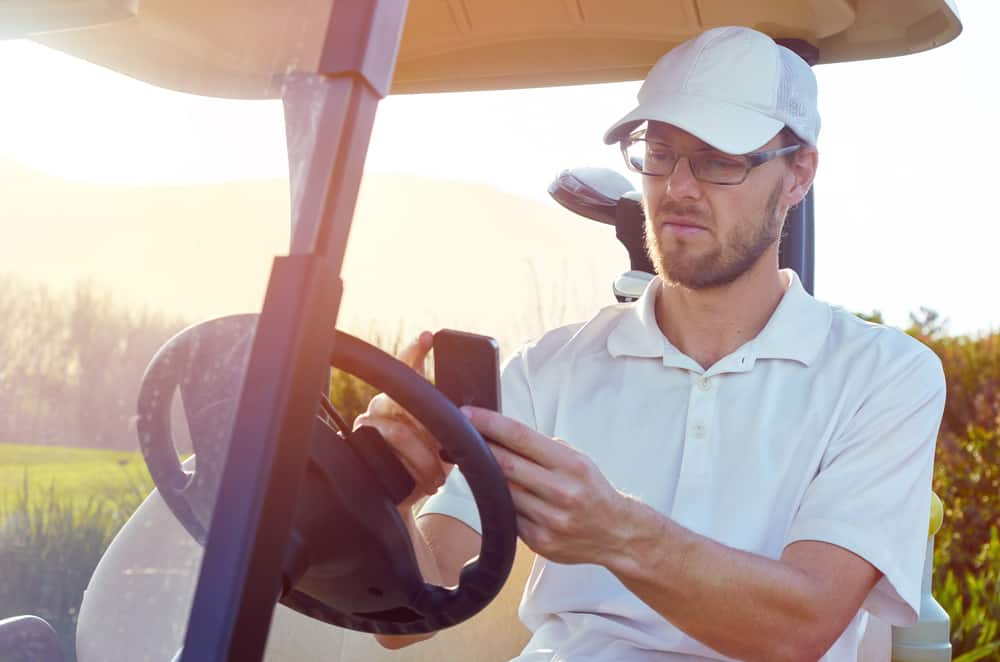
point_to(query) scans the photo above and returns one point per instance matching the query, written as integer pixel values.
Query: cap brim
(726, 127)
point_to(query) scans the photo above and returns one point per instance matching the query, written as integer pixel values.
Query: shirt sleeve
(871, 494)
(454, 499)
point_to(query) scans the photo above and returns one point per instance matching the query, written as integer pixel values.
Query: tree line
(71, 363)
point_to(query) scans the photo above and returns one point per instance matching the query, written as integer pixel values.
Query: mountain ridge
(421, 250)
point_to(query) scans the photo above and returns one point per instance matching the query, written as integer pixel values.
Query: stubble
(736, 253)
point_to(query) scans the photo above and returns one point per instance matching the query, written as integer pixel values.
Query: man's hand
(415, 447)
(564, 503)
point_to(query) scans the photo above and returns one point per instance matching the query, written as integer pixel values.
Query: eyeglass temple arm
(757, 158)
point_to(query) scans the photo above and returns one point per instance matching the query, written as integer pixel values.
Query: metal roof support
(797, 250)
(329, 115)
(798, 242)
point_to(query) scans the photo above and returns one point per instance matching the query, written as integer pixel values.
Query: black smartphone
(467, 368)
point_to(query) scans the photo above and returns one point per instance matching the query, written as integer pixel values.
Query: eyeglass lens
(658, 159)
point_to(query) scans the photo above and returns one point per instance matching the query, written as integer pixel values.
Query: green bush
(349, 394)
(967, 478)
(973, 603)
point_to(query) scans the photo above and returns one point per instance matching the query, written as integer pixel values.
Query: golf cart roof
(243, 48)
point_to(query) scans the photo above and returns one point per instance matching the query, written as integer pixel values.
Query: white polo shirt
(820, 428)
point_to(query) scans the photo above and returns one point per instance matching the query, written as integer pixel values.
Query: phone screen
(467, 368)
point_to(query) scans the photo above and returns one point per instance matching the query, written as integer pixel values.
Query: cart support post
(797, 248)
(329, 115)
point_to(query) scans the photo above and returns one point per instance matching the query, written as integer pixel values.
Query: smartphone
(467, 368)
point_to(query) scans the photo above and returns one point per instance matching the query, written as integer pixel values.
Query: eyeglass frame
(754, 159)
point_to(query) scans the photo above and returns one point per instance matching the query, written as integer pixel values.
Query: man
(726, 468)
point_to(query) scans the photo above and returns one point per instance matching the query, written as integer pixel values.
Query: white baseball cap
(731, 87)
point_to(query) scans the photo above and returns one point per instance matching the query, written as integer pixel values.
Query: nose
(681, 183)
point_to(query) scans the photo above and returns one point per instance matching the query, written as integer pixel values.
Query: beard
(732, 258)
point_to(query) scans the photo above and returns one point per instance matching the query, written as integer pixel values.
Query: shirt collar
(637, 333)
(797, 329)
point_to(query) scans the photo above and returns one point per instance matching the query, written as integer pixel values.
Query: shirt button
(705, 384)
(698, 430)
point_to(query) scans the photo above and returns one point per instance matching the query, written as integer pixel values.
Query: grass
(59, 509)
(78, 473)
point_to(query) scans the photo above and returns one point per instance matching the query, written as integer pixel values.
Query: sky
(906, 211)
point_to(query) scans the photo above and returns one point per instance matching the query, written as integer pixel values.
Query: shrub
(967, 478)
(973, 603)
(967, 462)
(349, 394)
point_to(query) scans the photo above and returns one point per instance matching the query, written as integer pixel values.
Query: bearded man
(726, 468)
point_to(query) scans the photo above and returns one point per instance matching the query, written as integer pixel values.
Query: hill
(422, 251)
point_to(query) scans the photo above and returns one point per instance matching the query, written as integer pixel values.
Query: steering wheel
(349, 561)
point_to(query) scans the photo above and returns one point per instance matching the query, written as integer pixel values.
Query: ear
(802, 171)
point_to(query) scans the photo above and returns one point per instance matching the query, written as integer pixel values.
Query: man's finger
(416, 352)
(387, 410)
(522, 471)
(530, 505)
(382, 406)
(421, 461)
(516, 437)
(530, 533)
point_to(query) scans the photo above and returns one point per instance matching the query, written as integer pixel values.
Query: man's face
(701, 235)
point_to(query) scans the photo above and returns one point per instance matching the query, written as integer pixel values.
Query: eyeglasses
(658, 159)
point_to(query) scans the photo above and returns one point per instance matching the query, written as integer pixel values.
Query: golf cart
(296, 510)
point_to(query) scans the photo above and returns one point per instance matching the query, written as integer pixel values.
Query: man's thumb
(416, 352)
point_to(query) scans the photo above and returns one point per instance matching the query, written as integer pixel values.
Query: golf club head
(605, 196)
(630, 285)
(591, 192)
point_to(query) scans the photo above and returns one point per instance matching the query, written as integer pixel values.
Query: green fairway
(71, 473)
